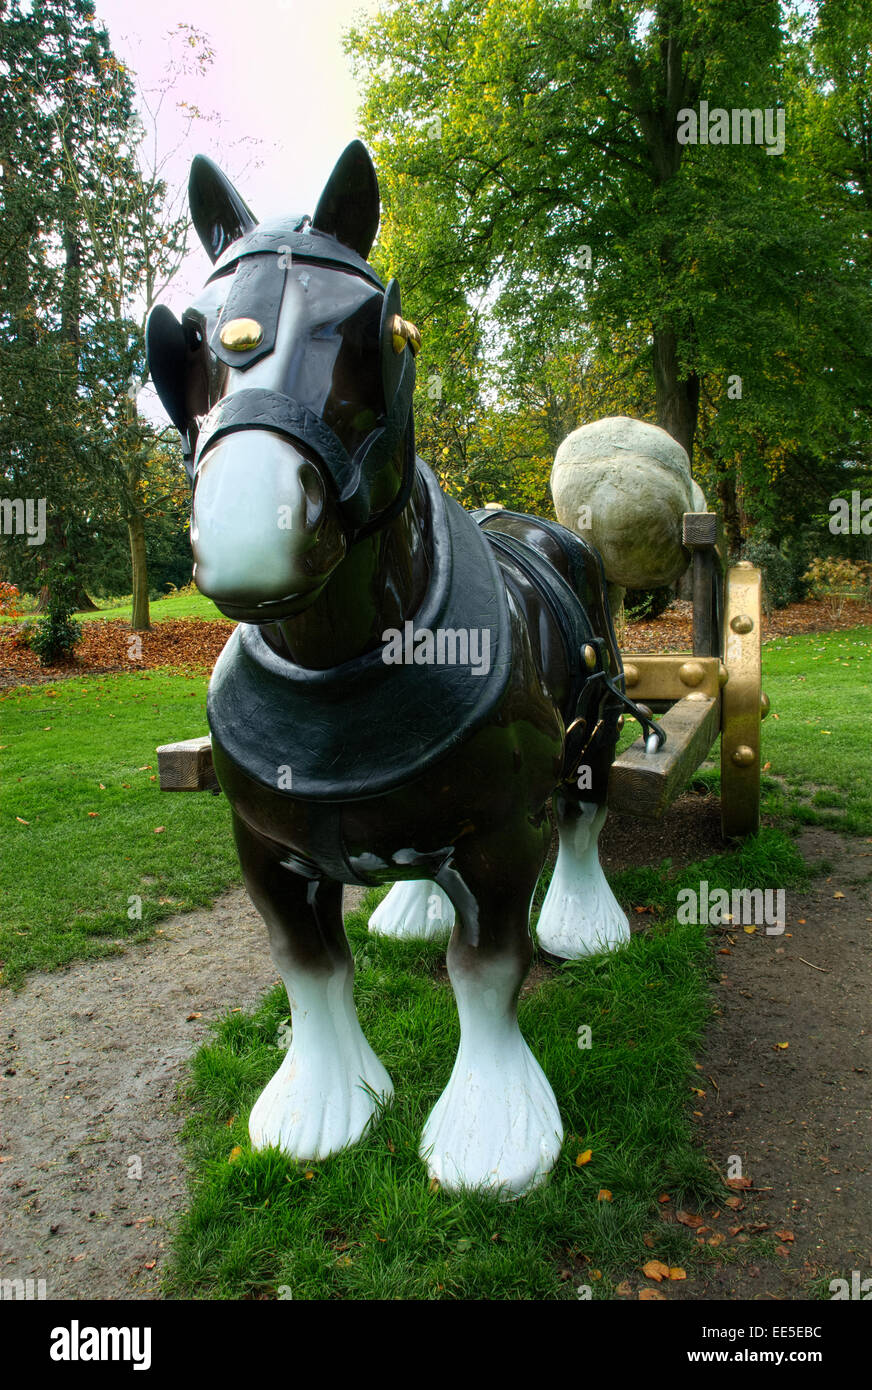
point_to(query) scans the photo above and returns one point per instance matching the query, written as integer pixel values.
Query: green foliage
(567, 257)
(647, 603)
(781, 584)
(55, 637)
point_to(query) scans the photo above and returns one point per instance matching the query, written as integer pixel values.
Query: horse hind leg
(330, 1084)
(414, 911)
(580, 915)
(496, 1125)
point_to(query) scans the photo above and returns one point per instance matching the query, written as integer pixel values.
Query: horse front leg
(327, 1090)
(497, 1124)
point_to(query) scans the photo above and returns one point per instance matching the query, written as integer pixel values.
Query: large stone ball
(623, 485)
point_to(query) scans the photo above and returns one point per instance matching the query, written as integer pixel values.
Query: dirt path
(91, 1057)
(798, 1117)
(90, 1060)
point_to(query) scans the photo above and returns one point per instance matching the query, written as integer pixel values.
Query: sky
(280, 84)
(278, 99)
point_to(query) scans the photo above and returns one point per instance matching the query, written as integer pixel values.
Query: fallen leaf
(624, 1290)
(21, 821)
(191, 1017)
(838, 895)
(782, 1249)
(159, 830)
(677, 1272)
(739, 1184)
(664, 1197)
(782, 1046)
(235, 1153)
(151, 1264)
(648, 1295)
(785, 1235)
(655, 1269)
(648, 1241)
(604, 1195)
(584, 1158)
(689, 1218)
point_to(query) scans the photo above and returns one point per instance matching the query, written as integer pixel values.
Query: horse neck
(380, 583)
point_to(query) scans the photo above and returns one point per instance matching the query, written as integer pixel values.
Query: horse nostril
(313, 491)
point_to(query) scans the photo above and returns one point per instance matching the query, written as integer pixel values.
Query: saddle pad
(366, 727)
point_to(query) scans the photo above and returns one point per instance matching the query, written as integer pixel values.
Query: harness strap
(353, 476)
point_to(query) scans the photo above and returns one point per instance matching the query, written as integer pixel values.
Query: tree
(532, 157)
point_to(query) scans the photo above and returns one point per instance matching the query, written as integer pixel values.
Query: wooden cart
(715, 689)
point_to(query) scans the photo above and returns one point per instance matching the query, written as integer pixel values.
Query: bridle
(259, 262)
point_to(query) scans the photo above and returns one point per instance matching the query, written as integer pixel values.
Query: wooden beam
(187, 766)
(645, 784)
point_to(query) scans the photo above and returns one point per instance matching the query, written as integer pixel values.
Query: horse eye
(194, 335)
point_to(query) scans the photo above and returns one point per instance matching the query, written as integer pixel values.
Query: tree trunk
(140, 620)
(726, 490)
(677, 400)
(84, 602)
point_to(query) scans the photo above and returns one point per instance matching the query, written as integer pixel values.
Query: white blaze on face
(256, 517)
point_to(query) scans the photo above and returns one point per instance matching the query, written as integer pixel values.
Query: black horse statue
(408, 683)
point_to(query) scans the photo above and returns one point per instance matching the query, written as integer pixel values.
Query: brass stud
(742, 623)
(241, 335)
(631, 675)
(744, 565)
(696, 695)
(691, 673)
(620, 722)
(743, 756)
(403, 332)
(589, 655)
(764, 704)
(723, 674)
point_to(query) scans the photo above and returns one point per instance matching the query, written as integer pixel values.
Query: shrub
(780, 580)
(837, 582)
(640, 604)
(55, 637)
(10, 599)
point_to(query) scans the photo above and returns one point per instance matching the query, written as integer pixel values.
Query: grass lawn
(365, 1224)
(80, 808)
(184, 605)
(180, 605)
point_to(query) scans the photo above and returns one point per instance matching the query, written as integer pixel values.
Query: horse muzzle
(264, 538)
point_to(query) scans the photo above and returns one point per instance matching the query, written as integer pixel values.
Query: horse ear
(218, 212)
(349, 206)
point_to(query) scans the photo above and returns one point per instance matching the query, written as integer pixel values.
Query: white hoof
(581, 915)
(320, 1098)
(416, 911)
(496, 1125)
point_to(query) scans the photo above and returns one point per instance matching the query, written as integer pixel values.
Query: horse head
(290, 380)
